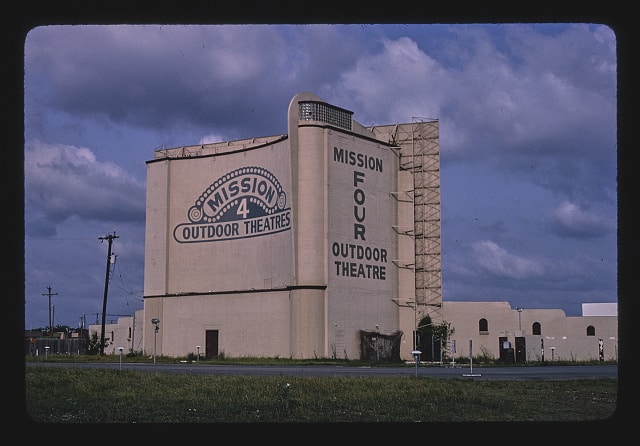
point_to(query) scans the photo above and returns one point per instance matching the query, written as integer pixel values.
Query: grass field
(77, 395)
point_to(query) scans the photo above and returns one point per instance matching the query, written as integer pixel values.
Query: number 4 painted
(242, 208)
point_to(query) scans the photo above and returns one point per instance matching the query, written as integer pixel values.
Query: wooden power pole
(50, 323)
(109, 238)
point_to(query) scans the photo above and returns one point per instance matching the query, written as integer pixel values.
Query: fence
(72, 346)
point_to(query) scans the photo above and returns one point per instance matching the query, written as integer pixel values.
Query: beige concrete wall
(325, 216)
(307, 324)
(264, 331)
(215, 225)
(405, 262)
(361, 241)
(153, 309)
(308, 320)
(226, 251)
(156, 228)
(249, 324)
(567, 335)
(309, 210)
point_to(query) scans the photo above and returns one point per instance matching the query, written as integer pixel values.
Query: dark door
(211, 347)
(506, 350)
(521, 349)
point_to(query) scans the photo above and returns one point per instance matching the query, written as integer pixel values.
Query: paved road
(550, 373)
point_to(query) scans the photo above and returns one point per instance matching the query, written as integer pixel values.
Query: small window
(536, 328)
(483, 325)
(591, 330)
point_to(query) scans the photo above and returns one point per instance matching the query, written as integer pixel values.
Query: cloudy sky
(527, 137)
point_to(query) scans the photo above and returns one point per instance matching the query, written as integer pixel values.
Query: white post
(416, 357)
(470, 361)
(120, 350)
(453, 353)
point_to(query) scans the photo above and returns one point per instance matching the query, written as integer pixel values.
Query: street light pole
(377, 349)
(519, 310)
(156, 322)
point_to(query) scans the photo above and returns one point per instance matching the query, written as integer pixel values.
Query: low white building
(127, 333)
(497, 330)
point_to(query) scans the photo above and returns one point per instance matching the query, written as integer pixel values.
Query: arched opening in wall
(536, 328)
(483, 326)
(591, 330)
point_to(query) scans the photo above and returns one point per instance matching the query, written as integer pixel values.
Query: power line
(134, 293)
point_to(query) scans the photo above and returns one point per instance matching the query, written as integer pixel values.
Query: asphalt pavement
(516, 373)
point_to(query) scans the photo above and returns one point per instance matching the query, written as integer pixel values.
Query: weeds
(77, 395)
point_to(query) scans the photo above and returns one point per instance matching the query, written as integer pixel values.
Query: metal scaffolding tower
(419, 151)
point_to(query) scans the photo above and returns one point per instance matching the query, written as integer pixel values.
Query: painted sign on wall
(246, 202)
(359, 237)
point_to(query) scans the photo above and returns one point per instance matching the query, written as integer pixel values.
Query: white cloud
(394, 85)
(211, 138)
(498, 262)
(568, 219)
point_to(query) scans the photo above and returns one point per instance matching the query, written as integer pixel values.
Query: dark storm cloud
(209, 77)
(150, 76)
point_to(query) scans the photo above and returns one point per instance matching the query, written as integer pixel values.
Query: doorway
(211, 344)
(521, 349)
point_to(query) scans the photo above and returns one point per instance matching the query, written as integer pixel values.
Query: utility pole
(109, 238)
(50, 323)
